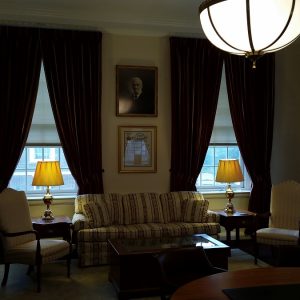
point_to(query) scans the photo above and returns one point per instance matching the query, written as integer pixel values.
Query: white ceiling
(145, 17)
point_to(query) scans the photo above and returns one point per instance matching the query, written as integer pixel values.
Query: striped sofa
(99, 217)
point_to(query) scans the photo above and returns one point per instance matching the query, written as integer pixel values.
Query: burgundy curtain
(251, 101)
(72, 62)
(196, 70)
(20, 63)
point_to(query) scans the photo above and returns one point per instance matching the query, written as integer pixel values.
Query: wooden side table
(58, 227)
(239, 219)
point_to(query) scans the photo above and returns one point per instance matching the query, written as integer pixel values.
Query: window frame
(39, 192)
(244, 186)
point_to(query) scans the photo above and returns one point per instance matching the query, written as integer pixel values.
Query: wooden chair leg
(69, 265)
(256, 252)
(276, 255)
(38, 277)
(5, 276)
(30, 269)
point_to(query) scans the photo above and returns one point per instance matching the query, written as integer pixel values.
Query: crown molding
(137, 20)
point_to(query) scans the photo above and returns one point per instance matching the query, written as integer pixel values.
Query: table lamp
(47, 173)
(229, 171)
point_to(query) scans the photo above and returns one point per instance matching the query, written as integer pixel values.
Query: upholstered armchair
(284, 218)
(19, 243)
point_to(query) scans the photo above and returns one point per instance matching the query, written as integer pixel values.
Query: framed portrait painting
(137, 149)
(136, 91)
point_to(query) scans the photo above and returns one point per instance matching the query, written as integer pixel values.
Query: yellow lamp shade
(229, 170)
(47, 173)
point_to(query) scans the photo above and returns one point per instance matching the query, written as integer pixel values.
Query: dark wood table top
(57, 219)
(237, 213)
(210, 287)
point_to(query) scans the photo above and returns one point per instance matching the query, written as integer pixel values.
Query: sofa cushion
(149, 230)
(113, 201)
(194, 210)
(97, 214)
(140, 208)
(277, 236)
(172, 204)
(115, 207)
(114, 232)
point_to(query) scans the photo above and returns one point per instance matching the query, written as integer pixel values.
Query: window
(223, 145)
(42, 144)
(206, 179)
(23, 175)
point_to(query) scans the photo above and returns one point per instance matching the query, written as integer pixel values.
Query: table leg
(228, 235)
(237, 236)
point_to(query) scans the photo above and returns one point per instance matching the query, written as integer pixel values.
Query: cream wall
(286, 139)
(66, 206)
(154, 51)
(60, 207)
(137, 51)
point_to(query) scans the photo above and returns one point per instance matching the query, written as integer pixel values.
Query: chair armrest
(13, 234)
(260, 219)
(265, 215)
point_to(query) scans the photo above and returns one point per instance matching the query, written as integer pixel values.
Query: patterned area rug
(85, 283)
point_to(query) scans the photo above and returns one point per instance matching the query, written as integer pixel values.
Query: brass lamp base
(229, 208)
(48, 215)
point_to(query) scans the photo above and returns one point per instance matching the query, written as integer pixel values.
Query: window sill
(55, 197)
(222, 191)
(220, 194)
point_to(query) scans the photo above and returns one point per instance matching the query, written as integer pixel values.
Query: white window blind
(43, 130)
(223, 132)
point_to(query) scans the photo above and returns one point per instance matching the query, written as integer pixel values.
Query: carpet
(85, 283)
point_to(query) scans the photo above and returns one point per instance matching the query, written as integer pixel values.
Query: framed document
(137, 149)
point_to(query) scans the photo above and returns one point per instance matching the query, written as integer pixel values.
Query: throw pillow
(172, 204)
(97, 214)
(194, 210)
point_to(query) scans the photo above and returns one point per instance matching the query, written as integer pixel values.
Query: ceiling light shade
(250, 27)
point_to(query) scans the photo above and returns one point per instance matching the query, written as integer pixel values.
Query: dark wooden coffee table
(134, 271)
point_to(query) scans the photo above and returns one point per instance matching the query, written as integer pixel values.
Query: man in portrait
(136, 101)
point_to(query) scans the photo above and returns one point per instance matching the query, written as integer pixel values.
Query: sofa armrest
(212, 217)
(79, 222)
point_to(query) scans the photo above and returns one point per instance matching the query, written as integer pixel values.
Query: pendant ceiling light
(250, 27)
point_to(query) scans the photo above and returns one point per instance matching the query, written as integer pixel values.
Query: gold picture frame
(137, 147)
(136, 91)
